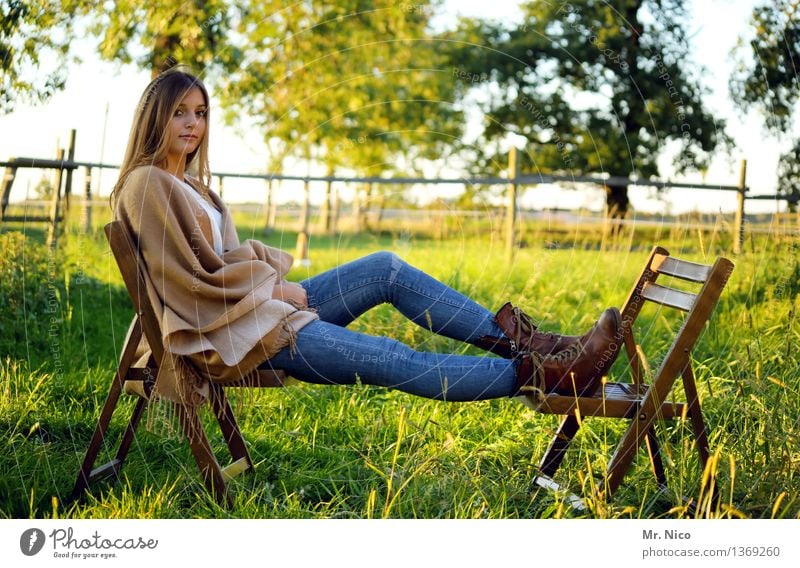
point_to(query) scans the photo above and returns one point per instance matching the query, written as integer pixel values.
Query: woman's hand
(291, 293)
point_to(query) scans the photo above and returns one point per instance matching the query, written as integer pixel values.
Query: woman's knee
(386, 261)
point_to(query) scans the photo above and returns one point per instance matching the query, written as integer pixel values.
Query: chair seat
(614, 400)
(266, 378)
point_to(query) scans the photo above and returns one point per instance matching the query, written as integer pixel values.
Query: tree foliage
(351, 83)
(34, 46)
(158, 35)
(769, 80)
(591, 86)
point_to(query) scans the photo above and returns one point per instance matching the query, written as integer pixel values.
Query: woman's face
(188, 125)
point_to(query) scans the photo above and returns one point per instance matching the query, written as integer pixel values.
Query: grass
(364, 452)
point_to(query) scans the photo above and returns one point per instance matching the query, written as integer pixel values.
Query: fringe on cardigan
(166, 419)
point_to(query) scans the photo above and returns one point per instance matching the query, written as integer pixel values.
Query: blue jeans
(328, 353)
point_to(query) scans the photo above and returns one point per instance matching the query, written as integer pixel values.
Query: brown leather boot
(576, 369)
(522, 335)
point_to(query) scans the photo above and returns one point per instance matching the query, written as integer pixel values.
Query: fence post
(270, 220)
(8, 181)
(68, 185)
(738, 228)
(87, 203)
(301, 252)
(356, 208)
(335, 217)
(52, 233)
(220, 178)
(366, 208)
(326, 209)
(511, 207)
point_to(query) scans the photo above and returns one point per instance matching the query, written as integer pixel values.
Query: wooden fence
(65, 164)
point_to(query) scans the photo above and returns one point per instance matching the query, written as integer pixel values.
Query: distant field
(367, 452)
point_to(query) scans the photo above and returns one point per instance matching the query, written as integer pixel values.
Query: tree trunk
(616, 206)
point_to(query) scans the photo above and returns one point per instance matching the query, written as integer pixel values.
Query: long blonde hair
(148, 141)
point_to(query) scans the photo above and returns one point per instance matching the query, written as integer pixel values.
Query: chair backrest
(126, 253)
(131, 266)
(699, 306)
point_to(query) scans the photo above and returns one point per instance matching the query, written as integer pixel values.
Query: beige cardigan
(217, 311)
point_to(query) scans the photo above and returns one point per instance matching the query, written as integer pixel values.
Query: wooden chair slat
(667, 296)
(614, 400)
(682, 269)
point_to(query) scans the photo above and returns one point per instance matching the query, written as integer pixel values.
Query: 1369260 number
(758, 551)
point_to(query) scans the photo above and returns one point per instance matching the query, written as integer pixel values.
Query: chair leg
(85, 474)
(227, 423)
(696, 415)
(207, 463)
(641, 428)
(130, 431)
(654, 451)
(698, 424)
(558, 446)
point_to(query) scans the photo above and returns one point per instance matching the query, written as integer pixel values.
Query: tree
(159, 35)
(43, 190)
(154, 35)
(355, 84)
(592, 87)
(30, 33)
(770, 80)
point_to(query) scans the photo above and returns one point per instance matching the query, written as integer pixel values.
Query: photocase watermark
(615, 57)
(194, 244)
(674, 96)
(469, 76)
(359, 354)
(544, 123)
(609, 53)
(214, 19)
(783, 283)
(350, 143)
(66, 544)
(424, 9)
(31, 542)
(53, 310)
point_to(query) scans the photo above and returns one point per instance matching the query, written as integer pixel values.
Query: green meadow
(366, 452)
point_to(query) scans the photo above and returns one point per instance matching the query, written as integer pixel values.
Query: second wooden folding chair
(642, 403)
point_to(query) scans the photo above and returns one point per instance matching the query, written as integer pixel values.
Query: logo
(31, 542)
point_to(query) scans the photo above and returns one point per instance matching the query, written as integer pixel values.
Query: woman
(226, 306)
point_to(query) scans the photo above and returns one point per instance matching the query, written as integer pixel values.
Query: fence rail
(514, 179)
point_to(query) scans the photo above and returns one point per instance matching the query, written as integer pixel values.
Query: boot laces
(536, 386)
(526, 328)
(571, 352)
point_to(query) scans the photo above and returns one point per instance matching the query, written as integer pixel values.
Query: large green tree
(355, 84)
(34, 48)
(35, 40)
(768, 79)
(158, 35)
(592, 86)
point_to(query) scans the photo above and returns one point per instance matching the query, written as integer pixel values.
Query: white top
(211, 211)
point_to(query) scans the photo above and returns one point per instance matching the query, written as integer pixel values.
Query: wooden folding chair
(214, 477)
(640, 402)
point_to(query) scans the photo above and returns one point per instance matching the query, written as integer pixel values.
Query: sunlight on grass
(364, 452)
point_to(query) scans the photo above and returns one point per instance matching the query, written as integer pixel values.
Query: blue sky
(94, 85)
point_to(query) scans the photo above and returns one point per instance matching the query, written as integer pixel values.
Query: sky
(100, 96)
